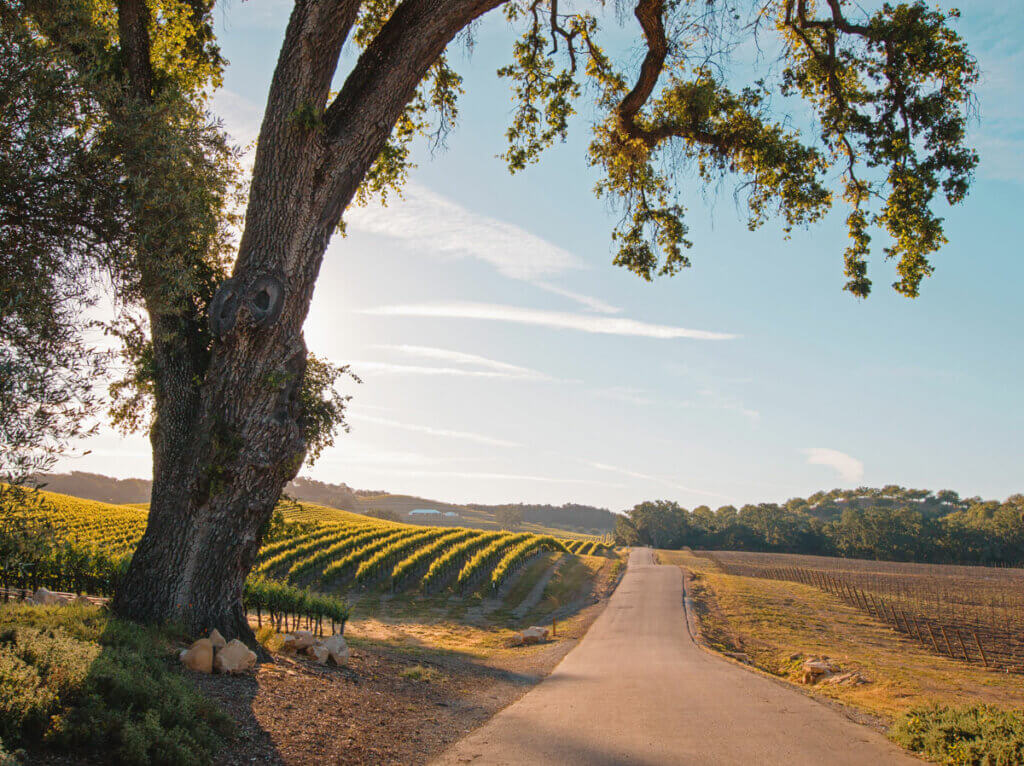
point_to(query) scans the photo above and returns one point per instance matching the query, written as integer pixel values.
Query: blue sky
(505, 358)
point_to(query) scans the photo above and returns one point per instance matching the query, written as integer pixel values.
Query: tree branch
(649, 14)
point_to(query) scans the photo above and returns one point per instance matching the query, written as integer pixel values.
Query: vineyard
(972, 614)
(321, 551)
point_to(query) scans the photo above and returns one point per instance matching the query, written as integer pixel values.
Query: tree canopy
(890, 523)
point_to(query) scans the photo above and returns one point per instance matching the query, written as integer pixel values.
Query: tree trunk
(224, 451)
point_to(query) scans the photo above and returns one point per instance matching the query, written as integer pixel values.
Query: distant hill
(570, 517)
(94, 486)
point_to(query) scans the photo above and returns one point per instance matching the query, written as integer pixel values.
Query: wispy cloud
(627, 394)
(430, 430)
(439, 226)
(348, 453)
(849, 468)
(556, 319)
(363, 366)
(509, 477)
(466, 359)
(594, 304)
(649, 477)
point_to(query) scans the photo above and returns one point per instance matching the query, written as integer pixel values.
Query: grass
(421, 673)
(772, 620)
(73, 679)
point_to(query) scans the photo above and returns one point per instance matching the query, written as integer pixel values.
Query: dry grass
(961, 606)
(773, 620)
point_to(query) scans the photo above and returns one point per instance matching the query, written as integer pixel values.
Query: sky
(504, 358)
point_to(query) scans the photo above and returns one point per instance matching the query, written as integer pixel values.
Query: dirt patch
(409, 691)
(377, 710)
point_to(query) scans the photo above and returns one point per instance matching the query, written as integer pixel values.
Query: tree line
(894, 526)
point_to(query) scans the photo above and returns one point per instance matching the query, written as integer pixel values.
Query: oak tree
(881, 99)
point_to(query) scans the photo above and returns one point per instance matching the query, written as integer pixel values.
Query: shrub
(74, 679)
(978, 735)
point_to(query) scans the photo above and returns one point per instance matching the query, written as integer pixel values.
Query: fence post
(980, 650)
(962, 647)
(920, 634)
(932, 634)
(874, 602)
(946, 639)
(907, 623)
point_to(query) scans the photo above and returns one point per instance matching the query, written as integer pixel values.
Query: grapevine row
(519, 555)
(485, 557)
(385, 558)
(443, 567)
(420, 557)
(341, 566)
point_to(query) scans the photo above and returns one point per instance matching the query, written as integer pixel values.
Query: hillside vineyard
(320, 550)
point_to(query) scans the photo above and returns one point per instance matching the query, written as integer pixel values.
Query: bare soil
(295, 712)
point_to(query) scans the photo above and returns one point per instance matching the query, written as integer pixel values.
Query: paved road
(637, 690)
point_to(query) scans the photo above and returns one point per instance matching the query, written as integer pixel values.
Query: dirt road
(637, 690)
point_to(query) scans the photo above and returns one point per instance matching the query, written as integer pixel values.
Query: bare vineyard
(973, 614)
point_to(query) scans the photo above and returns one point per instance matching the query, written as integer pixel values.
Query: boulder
(45, 597)
(217, 640)
(818, 670)
(199, 656)
(235, 657)
(517, 639)
(337, 649)
(303, 640)
(318, 652)
(535, 634)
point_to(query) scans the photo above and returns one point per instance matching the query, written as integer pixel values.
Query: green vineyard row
(324, 551)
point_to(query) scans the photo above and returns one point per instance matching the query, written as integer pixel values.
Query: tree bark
(224, 451)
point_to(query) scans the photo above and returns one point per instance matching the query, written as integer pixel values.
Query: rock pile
(824, 670)
(215, 654)
(323, 650)
(535, 634)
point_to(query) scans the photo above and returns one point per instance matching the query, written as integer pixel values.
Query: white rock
(318, 652)
(199, 656)
(235, 657)
(535, 634)
(303, 640)
(817, 670)
(217, 640)
(337, 649)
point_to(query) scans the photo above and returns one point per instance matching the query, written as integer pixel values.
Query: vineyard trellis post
(945, 638)
(981, 651)
(963, 648)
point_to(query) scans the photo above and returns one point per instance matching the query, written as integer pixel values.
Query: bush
(979, 735)
(74, 679)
